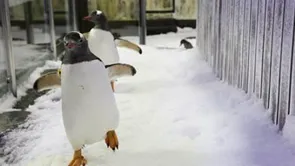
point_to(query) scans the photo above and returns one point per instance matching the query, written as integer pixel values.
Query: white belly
(88, 104)
(102, 44)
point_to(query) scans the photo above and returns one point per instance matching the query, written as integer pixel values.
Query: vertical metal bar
(142, 21)
(28, 19)
(49, 11)
(74, 16)
(6, 32)
(72, 24)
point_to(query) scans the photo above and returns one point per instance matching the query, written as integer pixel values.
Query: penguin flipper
(47, 81)
(125, 43)
(119, 70)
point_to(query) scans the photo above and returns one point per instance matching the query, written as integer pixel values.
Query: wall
(117, 9)
(250, 44)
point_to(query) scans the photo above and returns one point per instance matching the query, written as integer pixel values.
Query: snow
(174, 111)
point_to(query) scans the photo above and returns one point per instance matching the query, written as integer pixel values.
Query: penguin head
(97, 17)
(74, 40)
(183, 41)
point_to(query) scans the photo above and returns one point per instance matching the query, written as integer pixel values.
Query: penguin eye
(80, 41)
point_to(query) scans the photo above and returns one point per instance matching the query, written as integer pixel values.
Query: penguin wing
(119, 70)
(125, 43)
(122, 43)
(49, 79)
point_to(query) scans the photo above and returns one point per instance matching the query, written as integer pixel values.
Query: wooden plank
(216, 16)
(267, 54)
(276, 59)
(252, 46)
(246, 40)
(231, 41)
(224, 31)
(240, 42)
(286, 57)
(260, 47)
(220, 40)
(235, 44)
(292, 85)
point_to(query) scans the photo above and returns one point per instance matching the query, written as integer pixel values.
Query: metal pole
(28, 19)
(50, 16)
(71, 15)
(74, 16)
(7, 42)
(142, 21)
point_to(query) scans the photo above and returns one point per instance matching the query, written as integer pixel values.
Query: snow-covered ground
(174, 111)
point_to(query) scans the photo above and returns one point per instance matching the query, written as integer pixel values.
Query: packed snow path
(173, 112)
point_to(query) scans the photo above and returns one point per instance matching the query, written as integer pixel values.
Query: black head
(74, 40)
(183, 41)
(98, 18)
(76, 49)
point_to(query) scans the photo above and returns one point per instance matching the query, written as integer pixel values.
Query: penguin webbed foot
(112, 140)
(78, 159)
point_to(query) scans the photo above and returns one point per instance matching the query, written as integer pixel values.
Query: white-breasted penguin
(89, 109)
(101, 40)
(100, 33)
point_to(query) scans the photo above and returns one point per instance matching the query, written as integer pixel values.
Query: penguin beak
(88, 18)
(70, 45)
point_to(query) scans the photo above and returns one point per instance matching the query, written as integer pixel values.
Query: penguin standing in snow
(100, 33)
(186, 44)
(89, 109)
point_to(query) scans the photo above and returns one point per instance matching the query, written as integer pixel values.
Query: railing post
(28, 19)
(7, 42)
(142, 21)
(49, 16)
(71, 15)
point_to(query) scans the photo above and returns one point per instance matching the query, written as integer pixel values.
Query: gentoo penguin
(101, 40)
(186, 44)
(89, 109)
(50, 78)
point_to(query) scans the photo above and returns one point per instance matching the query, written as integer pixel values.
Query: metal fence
(250, 44)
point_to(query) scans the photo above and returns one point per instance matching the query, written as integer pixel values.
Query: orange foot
(78, 159)
(112, 140)
(113, 85)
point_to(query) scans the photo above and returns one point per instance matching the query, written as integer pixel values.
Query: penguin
(89, 109)
(186, 44)
(100, 33)
(50, 78)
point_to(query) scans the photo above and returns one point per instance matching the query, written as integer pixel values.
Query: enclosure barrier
(250, 45)
(7, 35)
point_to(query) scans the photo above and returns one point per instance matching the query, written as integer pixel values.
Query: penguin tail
(49, 79)
(128, 44)
(119, 70)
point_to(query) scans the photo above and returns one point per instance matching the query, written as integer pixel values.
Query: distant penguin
(89, 109)
(101, 40)
(186, 44)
